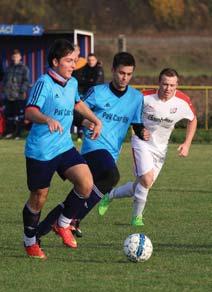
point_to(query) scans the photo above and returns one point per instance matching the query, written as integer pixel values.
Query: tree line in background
(104, 16)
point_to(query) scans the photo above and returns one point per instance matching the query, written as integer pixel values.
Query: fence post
(122, 43)
(206, 109)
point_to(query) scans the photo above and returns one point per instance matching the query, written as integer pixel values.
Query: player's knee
(147, 180)
(38, 199)
(109, 180)
(86, 188)
(114, 177)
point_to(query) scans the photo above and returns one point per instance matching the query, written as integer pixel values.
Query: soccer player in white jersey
(49, 147)
(163, 108)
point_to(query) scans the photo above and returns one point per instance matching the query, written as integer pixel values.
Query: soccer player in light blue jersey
(118, 106)
(49, 146)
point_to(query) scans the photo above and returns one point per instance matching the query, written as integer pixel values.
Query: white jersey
(160, 117)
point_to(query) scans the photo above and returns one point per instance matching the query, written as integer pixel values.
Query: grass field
(177, 220)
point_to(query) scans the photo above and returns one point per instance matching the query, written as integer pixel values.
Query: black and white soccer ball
(138, 247)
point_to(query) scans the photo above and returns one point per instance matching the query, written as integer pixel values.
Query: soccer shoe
(137, 221)
(34, 251)
(104, 205)
(74, 227)
(66, 235)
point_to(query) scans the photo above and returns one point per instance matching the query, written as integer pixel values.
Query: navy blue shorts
(99, 162)
(40, 173)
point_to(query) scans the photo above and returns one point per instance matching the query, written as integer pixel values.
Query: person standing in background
(92, 74)
(1, 71)
(87, 74)
(15, 86)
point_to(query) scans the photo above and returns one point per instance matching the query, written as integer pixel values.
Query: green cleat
(104, 205)
(137, 221)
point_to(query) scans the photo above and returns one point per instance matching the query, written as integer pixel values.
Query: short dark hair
(16, 52)
(59, 49)
(91, 55)
(168, 72)
(123, 58)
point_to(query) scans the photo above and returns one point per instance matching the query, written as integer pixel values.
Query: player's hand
(145, 134)
(54, 125)
(183, 150)
(96, 130)
(88, 124)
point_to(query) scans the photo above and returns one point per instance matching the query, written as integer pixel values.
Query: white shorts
(144, 158)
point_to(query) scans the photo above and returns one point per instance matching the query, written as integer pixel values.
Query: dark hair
(60, 48)
(16, 52)
(123, 58)
(168, 72)
(91, 55)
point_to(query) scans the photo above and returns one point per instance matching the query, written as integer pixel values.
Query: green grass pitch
(177, 220)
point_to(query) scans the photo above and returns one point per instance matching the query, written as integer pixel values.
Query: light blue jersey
(56, 101)
(116, 114)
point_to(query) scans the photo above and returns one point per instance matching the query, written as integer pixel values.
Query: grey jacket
(16, 82)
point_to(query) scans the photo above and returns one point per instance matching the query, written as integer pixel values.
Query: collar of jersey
(117, 92)
(57, 78)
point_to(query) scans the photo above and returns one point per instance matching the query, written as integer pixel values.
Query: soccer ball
(138, 247)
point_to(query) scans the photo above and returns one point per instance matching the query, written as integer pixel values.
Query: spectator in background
(77, 73)
(15, 86)
(2, 118)
(92, 74)
(88, 75)
(1, 70)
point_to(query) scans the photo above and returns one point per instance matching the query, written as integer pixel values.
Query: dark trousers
(14, 113)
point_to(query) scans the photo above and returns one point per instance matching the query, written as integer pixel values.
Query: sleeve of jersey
(188, 110)
(77, 96)
(189, 113)
(89, 98)
(38, 94)
(137, 119)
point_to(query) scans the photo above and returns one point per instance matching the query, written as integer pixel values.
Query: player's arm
(33, 114)
(141, 131)
(84, 110)
(183, 149)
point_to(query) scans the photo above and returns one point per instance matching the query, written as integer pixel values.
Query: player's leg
(124, 191)
(46, 225)
(104, 181)
(143, 163)
(110, 179)
(74, 168)
(143, 170)
(106, 176)
(142, 188)
(31, 216)
(39, 175)
(147, 169)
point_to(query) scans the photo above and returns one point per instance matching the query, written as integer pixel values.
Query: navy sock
(72, 204)
(30, 220)
(89, 204)
(46, 225)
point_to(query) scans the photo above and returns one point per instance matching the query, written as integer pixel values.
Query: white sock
(63, 221)
(122, 191)
(28, 241)
(140, 198)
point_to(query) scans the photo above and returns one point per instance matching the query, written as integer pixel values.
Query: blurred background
(159, 33)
